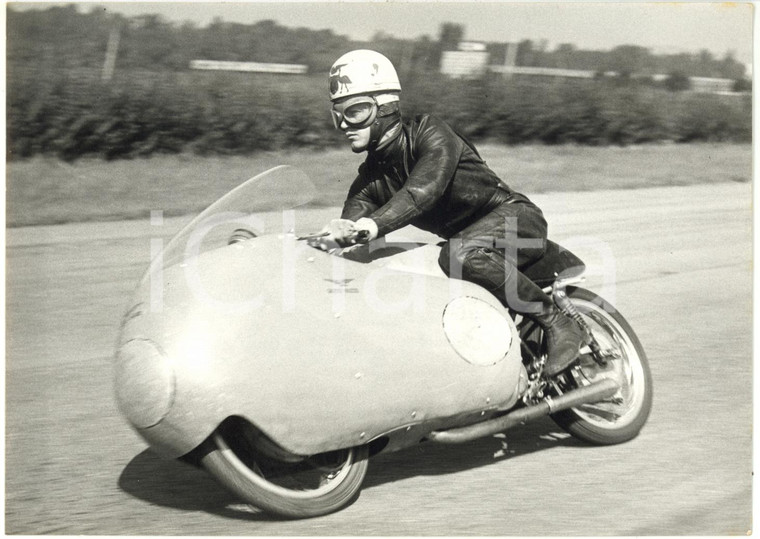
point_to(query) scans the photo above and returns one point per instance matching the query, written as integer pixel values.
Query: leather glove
(339, 234)
(345, 233)
(367, 229)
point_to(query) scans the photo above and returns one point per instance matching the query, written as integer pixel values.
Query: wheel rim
(627, 370)
(311, 477)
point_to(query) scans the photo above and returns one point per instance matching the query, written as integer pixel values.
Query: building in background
(472, 59)
(469, 60)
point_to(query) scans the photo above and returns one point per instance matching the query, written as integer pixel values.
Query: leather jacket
(428, 176)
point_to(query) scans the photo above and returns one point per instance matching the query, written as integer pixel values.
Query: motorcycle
(281, 368)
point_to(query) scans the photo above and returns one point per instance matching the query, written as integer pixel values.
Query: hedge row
(72, 114)
(597, 112)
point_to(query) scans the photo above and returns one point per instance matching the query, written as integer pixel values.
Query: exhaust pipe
(591, 393)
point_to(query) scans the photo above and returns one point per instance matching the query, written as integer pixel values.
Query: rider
(422, 172)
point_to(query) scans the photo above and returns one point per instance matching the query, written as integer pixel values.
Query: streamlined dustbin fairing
(280, 367)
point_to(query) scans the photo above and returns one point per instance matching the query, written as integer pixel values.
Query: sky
(664, 27)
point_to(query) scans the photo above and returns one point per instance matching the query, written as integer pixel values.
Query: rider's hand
(341, 232)
(345, 233)
(367, 229)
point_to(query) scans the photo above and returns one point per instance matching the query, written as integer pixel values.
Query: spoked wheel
(279, 482)
(620, 417)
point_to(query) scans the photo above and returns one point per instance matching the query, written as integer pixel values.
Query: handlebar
(359, 236)
(362, 236)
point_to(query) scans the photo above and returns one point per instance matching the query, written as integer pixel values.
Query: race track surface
(680, 260)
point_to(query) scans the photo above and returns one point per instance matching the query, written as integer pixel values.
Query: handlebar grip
(362, 236)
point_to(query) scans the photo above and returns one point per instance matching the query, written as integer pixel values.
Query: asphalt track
(678, 265)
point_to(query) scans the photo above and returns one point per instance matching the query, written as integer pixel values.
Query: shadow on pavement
(430, 458)
(174, 484)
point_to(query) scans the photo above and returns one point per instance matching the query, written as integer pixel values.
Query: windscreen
(256, 207)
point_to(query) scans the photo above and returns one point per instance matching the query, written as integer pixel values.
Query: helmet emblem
(362, 72)
(338, 82)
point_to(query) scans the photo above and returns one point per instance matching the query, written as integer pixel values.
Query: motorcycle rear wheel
(299, 487)
(621, 417)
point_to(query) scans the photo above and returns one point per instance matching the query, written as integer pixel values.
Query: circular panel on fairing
(144, 383)
(476, 330)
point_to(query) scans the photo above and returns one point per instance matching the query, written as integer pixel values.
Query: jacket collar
(392, 151)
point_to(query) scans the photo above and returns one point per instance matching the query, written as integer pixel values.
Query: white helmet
(361, 72)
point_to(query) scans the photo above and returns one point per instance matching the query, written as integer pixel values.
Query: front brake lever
(314, 236)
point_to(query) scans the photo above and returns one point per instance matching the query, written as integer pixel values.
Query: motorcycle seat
(556, 260)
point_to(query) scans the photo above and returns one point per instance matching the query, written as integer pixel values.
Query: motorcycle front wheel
(283, 484)
(620, 417)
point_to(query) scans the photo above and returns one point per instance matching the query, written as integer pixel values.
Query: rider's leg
(489, 253)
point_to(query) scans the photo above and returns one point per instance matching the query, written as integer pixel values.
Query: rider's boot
(564, 336)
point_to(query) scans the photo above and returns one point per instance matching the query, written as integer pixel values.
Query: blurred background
(206, 95)
(122, 80)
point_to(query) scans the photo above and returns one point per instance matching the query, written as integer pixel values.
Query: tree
(706, 64)
(629, 59)
(450, 36)
(742, 85)
(564, 55)
(525, 54)
(730, 68)
(677, 81)
(424, 55)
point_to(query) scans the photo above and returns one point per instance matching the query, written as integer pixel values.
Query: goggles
(358, 112)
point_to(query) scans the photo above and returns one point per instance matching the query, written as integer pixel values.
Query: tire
(288, 486)
(620, 418)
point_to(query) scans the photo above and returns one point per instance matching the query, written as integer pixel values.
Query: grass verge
(48, 191)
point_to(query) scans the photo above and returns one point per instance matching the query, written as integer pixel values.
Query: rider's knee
(457, 256)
